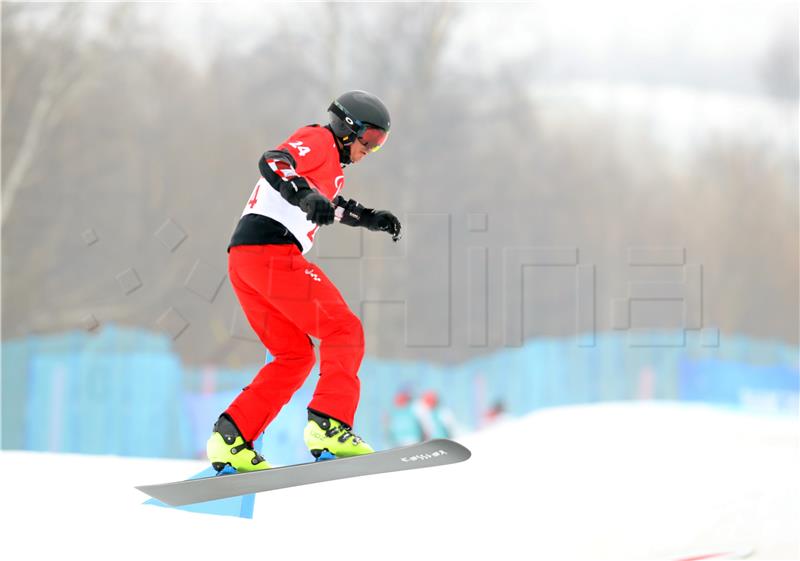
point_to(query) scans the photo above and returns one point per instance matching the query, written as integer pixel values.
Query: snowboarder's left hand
(384, 221)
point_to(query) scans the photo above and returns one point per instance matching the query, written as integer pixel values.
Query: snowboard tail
(425, 454)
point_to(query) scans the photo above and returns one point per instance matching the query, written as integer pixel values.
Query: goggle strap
(355, 125)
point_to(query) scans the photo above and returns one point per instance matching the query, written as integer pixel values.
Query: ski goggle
(373, 138)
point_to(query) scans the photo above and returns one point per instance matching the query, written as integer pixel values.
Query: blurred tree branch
(68, 69)
(131, 134)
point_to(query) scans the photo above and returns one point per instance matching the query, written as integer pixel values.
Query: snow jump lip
(431, 453)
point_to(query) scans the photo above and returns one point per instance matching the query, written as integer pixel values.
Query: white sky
(684, 70)
(713, 29)
(717, 43)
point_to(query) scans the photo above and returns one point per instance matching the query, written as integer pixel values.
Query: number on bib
(302, 150)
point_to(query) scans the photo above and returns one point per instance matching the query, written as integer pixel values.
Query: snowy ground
(616, 481)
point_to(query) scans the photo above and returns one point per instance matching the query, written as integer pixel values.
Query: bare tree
(67, 68)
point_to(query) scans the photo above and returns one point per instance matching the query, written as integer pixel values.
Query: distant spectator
(495, 414)
(403, 425)
(436, 421)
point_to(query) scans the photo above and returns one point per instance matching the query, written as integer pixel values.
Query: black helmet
(358, 114)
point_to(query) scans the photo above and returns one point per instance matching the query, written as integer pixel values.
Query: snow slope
(612, 481)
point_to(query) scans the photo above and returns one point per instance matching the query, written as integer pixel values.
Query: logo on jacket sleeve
(313, 275)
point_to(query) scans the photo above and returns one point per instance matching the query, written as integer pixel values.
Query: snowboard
(431, 453)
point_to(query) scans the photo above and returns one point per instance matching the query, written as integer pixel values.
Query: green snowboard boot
(227, 447)
(327, 434)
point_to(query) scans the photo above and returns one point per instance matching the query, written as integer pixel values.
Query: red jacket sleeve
(309, 146)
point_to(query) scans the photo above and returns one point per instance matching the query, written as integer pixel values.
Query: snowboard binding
(223, 468)
(322, 455)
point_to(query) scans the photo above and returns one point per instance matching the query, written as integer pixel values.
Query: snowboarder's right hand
(318, 209)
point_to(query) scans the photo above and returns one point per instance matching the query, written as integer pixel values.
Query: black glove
(318, 209)
(353, 213)
(297, 191)
(382, 221)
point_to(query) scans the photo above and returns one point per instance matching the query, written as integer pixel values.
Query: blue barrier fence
(124, 391)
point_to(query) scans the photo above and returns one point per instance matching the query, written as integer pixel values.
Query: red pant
(286, 299)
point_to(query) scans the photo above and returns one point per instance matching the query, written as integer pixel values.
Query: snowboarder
(287, 299)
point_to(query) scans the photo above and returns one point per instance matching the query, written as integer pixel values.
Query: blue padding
(763, 388)
(241, 507)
